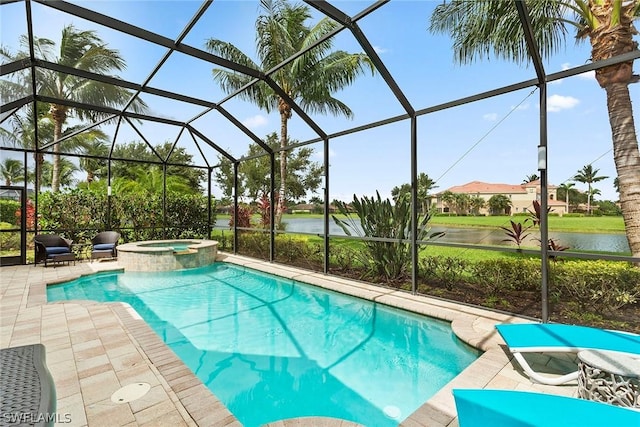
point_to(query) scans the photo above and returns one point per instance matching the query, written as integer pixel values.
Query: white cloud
(589, 75)
(557, 103)
(255, 121)
(491, 117)
(380, 49)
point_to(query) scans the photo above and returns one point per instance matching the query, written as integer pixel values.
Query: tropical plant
(309, 79)
(588, 175)
(86, 51)
(22, 134)
(95, 164)
(448, 199)
(517, 233)
(476, 203)
(530, 178)
(535, 215)
(424, 186)
(567, 188)
(481, 29)
(66, 173)
(12, 171)
(374, 217)
(303, 176)
(499, 204)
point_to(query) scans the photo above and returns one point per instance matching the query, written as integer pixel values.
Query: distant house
(310, 208)
(521, 196)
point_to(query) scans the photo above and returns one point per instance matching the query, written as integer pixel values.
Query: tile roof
(487, 188)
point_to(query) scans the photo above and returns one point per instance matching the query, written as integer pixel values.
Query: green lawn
(594, 224)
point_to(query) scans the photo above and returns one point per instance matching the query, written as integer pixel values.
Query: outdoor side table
(609, 377)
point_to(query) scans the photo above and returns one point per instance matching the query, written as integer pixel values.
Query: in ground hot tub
(164, 255)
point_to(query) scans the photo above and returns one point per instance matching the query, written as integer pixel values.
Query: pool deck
(94, 349)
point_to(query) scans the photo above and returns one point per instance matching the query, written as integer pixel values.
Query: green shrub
(495, 275)
(8, 209)
(597, 285)
(9, 241)
(447, 271)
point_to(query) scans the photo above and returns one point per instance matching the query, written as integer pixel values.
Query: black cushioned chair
(104, 245)
(52, 248)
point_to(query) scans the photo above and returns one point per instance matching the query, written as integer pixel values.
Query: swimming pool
(271, 348)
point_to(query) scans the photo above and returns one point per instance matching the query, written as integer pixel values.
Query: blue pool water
(271, 348)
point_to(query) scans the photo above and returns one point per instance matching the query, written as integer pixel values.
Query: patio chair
(558, 338)
(52, 248)
(104, 245)
(26, 386)
(498, 408)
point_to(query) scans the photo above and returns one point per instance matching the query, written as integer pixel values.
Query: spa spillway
(165, 255)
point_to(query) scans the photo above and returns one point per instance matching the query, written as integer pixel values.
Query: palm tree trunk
(59, 115)
(589, 199)
(627, 159)
(285, 114)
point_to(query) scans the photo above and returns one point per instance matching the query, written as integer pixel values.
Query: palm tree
(67, 173)
(481, 28)
(83, 50)
(567, 187)
(588, 175)
(499, 203)
(12, 171)
(448, 198)
(94, 166)
(425, 185)
(477, 203)
(309, 80)
(22, 134)
(530, 178)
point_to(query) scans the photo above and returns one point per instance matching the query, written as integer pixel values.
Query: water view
(479, 236)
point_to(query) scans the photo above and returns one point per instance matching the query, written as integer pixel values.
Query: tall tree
(83, 50)
(310, 79)
(67, 173)
(499, 204)
(12, 171)
(425, 185)
(481, 29)
(567, 188)
(305, 175)
(137, 150)
(22, 134)
(588, 175)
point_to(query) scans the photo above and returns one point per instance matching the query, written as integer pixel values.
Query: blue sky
(493, 140)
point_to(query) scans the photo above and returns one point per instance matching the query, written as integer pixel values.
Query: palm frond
(483, 29)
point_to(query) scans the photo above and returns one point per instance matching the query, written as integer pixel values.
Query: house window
(550, 196)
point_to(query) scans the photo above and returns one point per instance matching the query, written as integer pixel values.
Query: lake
(479, 236)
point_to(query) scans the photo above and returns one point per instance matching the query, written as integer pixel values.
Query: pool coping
(196, 405)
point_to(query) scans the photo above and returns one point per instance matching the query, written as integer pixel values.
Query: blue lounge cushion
(103, 246)
(54, 250)
(541, 337)
(504, 408)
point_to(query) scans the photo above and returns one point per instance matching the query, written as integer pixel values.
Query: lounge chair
(497, 408)
(558, 338)
(104, 245)
(52, 248)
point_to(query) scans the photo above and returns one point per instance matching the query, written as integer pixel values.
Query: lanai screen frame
(345, 22)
